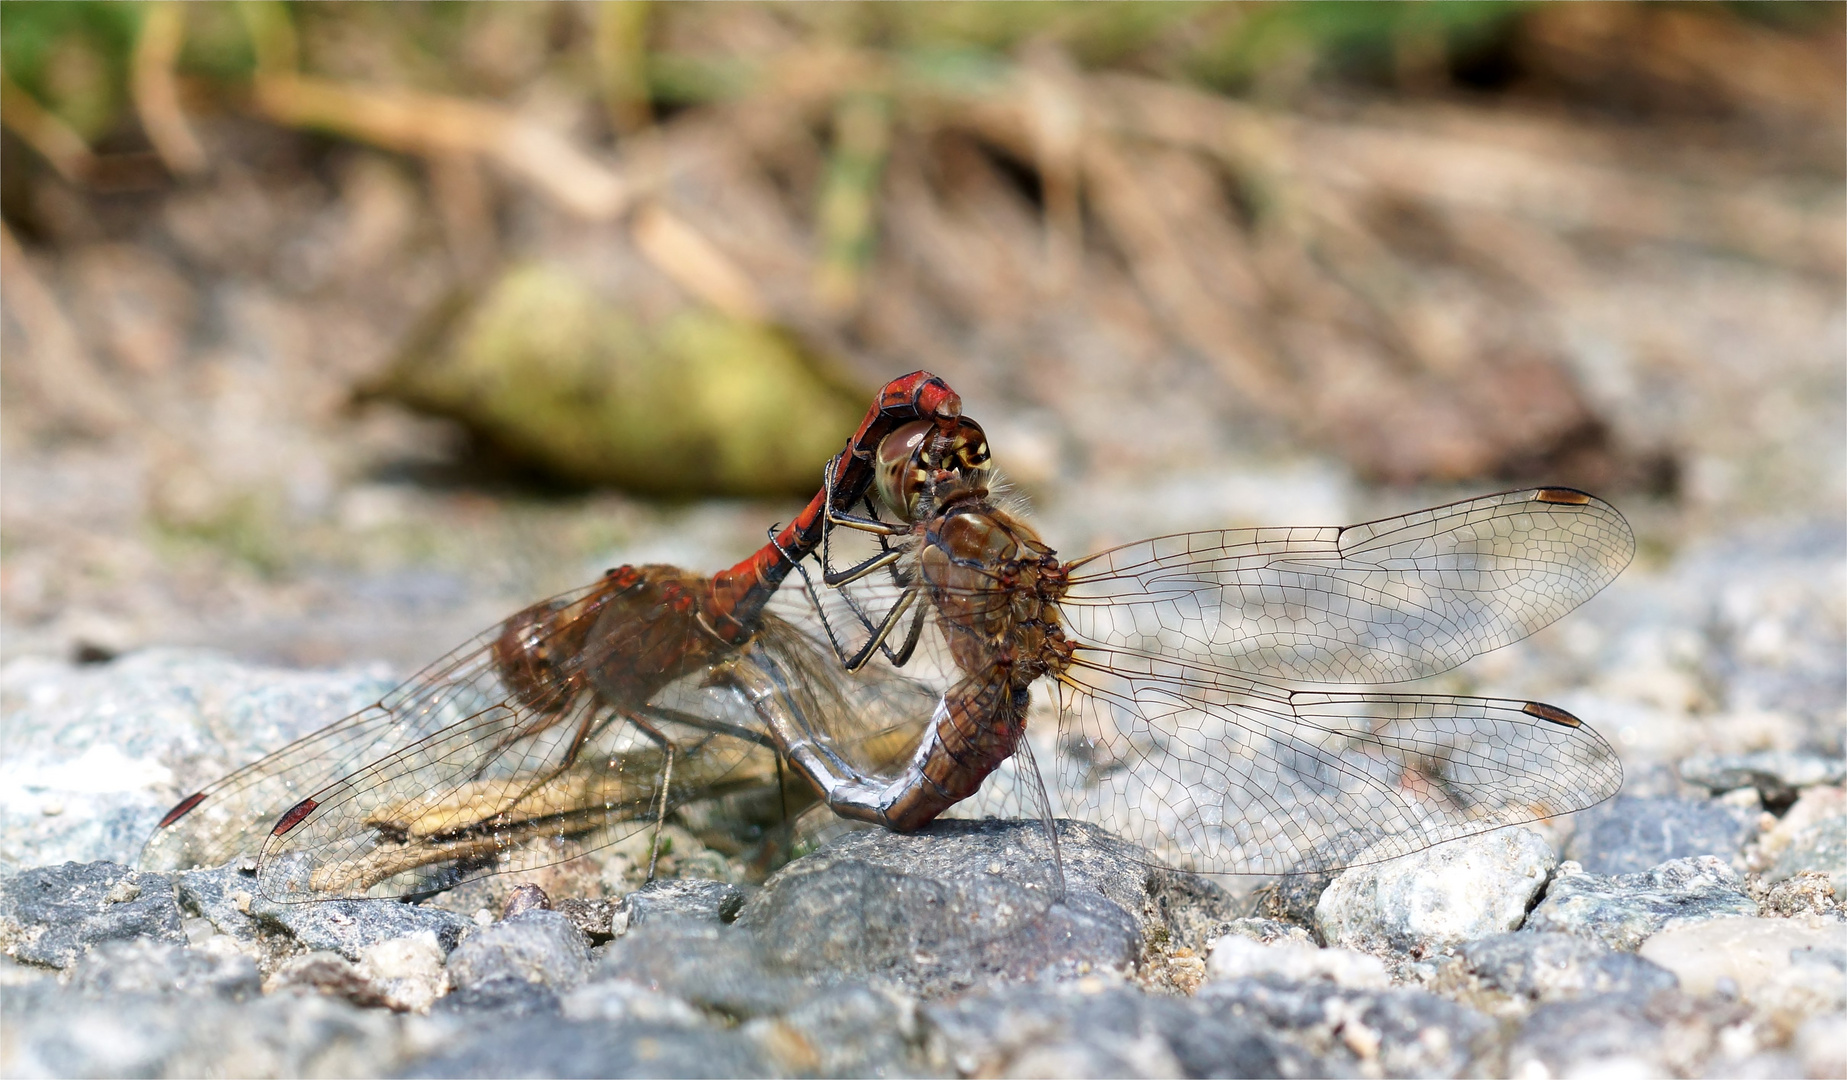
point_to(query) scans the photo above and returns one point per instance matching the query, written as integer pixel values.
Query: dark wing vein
(1386, 601)
(1224, 774)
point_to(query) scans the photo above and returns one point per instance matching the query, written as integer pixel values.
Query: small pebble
(1444, 895)
(1234, 956)
(524, 898)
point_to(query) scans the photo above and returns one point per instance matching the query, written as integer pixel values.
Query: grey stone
(599, 919)
(1441, 896)
(685, 898)
(324, 972)
(959, 904)
(50, 915)
(1557, 967)
(115, 746)
(716, 968)
(1235, 956)
(849, 1031)
(407, 973)
(222, 896)
(1776, 774)
(504, 996)
(349, 927)
(150, 966)
(1192, 911)
(547, 1046)
(1624, 909)
(1268, 931)
(1821, 848)
(537, 945)
(1398, 1031)
(1628, 835)
(1291, 899)
(1663, 1033)
(55, 1032)
(1112, 1031)
(620, 999)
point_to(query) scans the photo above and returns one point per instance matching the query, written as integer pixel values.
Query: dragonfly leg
(814, 599)
(865, 620)
(865, 569)
(660, 819)
(903, 655)
(870, 524)
(860, 523)
(884, 630)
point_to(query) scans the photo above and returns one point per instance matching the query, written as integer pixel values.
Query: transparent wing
(230, 818)
(471, 798)
(1383, 602)
(1221, 774)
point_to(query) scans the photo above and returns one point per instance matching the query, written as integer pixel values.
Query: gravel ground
(1690, 927)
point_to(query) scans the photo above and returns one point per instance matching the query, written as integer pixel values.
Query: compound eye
(966, 449)
(898, 473)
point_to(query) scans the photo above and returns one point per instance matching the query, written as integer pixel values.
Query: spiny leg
(827, 625)
(660, 820)
(884, 630)
(889, 559)
(869, 524)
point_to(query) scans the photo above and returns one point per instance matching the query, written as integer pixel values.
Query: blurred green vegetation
(75, 55)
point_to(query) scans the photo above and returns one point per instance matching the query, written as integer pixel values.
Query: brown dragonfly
(573, 713)
(1186, 670)
(1197, 676)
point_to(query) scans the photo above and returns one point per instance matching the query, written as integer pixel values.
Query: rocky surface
(1778, 776)
(95, 754)
(1628, 835)
(53, 915)
(1759, 960)
(939, 953)
(1545, 965)
(1237, 957)
(1624, 909)
(1811, 838)
(1629, 1033)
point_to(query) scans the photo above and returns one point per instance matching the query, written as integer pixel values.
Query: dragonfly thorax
(996, 586)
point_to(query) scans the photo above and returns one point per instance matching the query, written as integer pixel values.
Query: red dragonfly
(565, 716)
(1196, 673)
(1185, 665)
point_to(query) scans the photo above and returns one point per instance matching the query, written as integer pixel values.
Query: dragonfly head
(933, 461)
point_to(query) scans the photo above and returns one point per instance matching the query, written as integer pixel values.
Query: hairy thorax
(996, 586)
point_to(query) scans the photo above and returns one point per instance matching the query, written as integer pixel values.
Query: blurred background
(335, 332)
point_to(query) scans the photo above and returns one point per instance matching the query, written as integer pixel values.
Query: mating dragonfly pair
(1194, 682)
